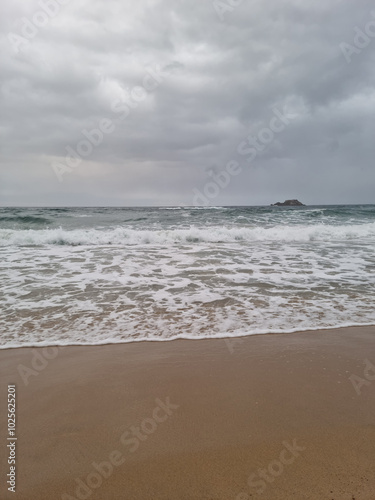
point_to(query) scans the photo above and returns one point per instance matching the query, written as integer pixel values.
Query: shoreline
(270, 416)
(174, 339)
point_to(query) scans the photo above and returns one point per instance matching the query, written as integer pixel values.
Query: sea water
(100, 275)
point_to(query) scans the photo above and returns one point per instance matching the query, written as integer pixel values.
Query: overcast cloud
(215, 76)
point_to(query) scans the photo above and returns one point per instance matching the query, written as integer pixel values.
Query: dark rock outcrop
(289, 203)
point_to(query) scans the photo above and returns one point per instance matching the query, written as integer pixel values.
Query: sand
(288, 416)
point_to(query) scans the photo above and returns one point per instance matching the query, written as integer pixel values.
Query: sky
(186, 102)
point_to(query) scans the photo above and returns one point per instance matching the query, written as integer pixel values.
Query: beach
(278, 416)
(187, 250)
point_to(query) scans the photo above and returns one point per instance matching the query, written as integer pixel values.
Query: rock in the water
(288, 203)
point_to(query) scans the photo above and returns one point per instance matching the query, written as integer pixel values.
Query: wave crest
(126, 236)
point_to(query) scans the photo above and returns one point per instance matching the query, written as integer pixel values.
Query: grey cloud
(221, 82)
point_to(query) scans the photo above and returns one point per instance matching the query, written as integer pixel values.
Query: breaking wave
(127, 236)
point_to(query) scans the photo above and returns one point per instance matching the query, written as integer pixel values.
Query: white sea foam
(93, 294)
(92, 341)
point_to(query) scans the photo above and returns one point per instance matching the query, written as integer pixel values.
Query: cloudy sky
(124, 102)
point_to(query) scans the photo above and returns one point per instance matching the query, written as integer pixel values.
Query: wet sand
(270, 416)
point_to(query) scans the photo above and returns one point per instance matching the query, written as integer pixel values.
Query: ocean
(112, 275)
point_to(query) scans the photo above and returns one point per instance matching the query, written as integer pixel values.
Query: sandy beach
(288, 416)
